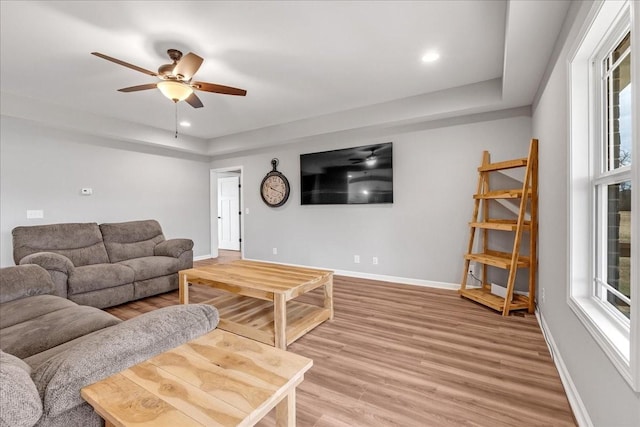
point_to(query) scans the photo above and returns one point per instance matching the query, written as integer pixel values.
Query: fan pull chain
(176, 120)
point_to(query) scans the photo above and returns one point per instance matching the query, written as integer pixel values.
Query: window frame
(619, 339)
(602, 174)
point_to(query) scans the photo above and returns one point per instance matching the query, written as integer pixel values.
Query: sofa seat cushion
(152, 266)
(20, 404)
(99, 276)
(49, 330)
(21, 310)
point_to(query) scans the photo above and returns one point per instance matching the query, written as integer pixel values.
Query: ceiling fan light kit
(175, 90)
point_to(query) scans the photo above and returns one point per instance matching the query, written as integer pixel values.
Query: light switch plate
(35, 214)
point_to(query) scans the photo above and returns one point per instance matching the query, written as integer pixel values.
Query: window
(612, 178)
(603, 227)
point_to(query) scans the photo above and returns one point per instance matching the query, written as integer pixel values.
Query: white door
(229, 213)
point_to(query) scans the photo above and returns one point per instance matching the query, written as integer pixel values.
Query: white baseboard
(201, 257)
(396, 279)
(380, 277)
(577, 405)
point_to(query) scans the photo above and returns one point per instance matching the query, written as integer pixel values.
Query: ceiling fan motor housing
(166, 70)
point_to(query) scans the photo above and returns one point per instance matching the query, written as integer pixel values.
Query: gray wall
(608, 398)
(45, 168)
(422, 235)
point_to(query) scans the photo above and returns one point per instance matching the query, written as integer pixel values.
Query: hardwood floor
(398, 355)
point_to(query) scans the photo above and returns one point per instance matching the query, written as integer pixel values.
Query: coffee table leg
(328, 296)
(184, 289)
(286, 411)
(280, 321)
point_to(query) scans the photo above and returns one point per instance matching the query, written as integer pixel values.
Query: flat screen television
(357, 175)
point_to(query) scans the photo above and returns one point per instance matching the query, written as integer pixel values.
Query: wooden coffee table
(258, 304)
(219, 379)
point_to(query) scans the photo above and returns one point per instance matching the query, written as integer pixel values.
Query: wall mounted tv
(356, 175)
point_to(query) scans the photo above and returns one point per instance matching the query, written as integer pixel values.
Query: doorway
(229, 212)
(226, 210)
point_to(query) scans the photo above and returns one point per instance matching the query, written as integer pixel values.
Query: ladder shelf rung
(501, 224)
(498, 259)
(485, 297)
(502, 194)
(508, 164)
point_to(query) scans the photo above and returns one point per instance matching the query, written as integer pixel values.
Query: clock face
(275, 189)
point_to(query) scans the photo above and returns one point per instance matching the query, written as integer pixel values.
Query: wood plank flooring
(398, 355)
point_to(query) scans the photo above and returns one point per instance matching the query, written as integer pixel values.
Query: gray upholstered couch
(104, 265)
(51, 348)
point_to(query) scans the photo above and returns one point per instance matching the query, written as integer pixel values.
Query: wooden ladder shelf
(481, 224)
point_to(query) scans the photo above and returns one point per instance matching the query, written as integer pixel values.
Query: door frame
(213, 207)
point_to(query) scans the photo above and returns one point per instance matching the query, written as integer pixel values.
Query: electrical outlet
(275, 251)
(375, 260)
(542, 294)
(356, 259)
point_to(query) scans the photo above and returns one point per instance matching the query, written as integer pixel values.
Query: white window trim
(618, 339)
(602, 175)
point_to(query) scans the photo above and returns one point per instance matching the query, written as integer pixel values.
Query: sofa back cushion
(133, 239)
(80, 242)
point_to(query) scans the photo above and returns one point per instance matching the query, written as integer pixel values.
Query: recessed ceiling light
(430, 56)
(185, 124)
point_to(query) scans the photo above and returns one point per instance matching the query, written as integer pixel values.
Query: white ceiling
(309, 67)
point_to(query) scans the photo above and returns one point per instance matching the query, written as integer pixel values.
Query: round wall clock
(274, 188)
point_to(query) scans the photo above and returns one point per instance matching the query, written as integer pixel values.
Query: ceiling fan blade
(194, 101)
(210, 87)
(124, 64)
(187, 66)
(139, 87)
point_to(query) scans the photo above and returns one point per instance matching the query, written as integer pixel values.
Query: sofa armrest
(59, 267)
(60, 379)
(50, 261)
(173, 247)
(20, 404)
(23, 281)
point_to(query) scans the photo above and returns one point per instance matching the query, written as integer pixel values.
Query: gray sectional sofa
(51, 347)
(107, 264)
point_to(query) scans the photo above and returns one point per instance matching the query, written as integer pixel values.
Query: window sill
(610, 334)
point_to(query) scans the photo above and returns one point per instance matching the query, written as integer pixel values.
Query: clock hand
(278, 191)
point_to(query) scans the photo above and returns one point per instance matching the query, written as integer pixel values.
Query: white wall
(422, 235)
(608, 399)
(44, 168)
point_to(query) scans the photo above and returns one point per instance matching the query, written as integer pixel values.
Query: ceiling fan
(176, 79)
